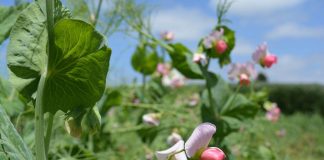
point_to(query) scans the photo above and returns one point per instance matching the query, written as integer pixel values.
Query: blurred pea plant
(220, 105)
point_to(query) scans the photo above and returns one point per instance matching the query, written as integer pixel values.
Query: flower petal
(199, 138)
(164, 155)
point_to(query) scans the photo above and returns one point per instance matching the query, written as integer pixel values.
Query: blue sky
(293, 29)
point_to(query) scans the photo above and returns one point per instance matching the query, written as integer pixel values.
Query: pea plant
(221, 105)
(57, 63)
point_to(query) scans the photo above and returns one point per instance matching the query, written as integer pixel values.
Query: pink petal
(199, 138)
(213, 153)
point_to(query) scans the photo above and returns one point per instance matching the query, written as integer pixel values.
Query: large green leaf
(26, 53)
(9, 98)
(79, 9)
(15, 148)
(8, 17)
(145, 60)
(76, 73)
(182, 61)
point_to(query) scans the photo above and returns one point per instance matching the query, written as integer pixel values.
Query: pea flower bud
(269, 60)
(167, 36)
(152, 119)
(220, 46)
(199, 58)
(213, 153)
(173, 138)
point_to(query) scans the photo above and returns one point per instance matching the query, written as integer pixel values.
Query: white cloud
(243, 47)
(186, 23)
(296, 69)
(291, 30)
(259, 7)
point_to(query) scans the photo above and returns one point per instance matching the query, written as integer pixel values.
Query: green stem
(97, 13)
(208, 79)
(138, 29)
(252, 87)
(90, 142)
(154, 107)
(144, 82)
(39, 113)
(49, 132)
(39, 117)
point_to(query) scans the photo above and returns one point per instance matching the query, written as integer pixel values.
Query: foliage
(12, 145)
(8, 17)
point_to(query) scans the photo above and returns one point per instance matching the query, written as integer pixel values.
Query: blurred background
(293, 29)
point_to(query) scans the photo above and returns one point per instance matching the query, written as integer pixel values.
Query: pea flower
(193, 100)
(173, 138)
(273, 111)
(174, 79)
(167, 36)
(196, 146)
(215, 39)
(199, 58)
(163, 68)
(263, 56)
(242, 72)
(152, 119)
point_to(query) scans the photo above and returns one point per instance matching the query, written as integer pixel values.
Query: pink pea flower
(167, 36)
(269, 60)
(273, 111)
(152, 119)
(242, 72)
(215, 39)
(194, 147)
(220, 46)
(174, 79)
(173, 138)
(199, 58)
(163, 68)
(263, 56)
(213, 153)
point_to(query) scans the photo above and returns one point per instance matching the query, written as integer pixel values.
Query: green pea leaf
(26, 53)
(110, 99)
(144, 60)
(75, 75)
(182, 61)
(9, 98)
(8, 17)
(11, 141)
